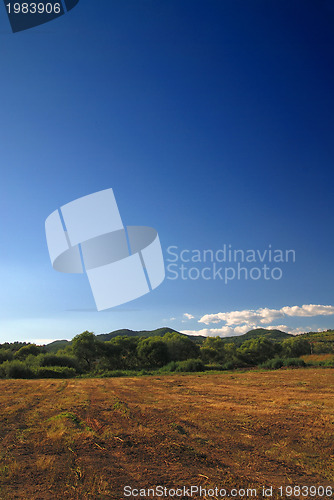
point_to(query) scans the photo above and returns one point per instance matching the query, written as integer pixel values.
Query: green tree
(255, 351)
(215, 350)
(121, 352)
(5, 355)
(27, 350)
(208, 355)
(180, 347)
(152, 352)
(86, 348)
(293, 348)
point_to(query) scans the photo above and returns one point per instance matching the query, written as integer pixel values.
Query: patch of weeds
(121, 407)
(71, 416)
(8, 470)
(22, 435)
(62, 386)
(4, 470)
(201, 441)
(179, 428)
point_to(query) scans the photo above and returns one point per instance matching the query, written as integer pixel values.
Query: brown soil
(88, 438)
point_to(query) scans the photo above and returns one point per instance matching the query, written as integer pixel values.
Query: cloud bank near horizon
(240, 322)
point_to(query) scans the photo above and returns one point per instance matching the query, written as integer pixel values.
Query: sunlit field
(88, 438)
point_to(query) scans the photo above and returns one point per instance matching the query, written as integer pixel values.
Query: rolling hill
(275, 335)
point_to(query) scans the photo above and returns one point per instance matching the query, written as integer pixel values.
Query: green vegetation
(274, 335)
(164, 351)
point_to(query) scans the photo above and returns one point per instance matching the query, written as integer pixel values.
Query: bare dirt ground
(88, 438)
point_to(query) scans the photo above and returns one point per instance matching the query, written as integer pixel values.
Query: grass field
(88, 438)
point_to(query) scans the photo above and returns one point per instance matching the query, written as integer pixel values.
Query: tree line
(123, 355)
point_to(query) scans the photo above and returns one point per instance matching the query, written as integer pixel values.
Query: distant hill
(56, 345)
(159, 332)
(326, 336)
(275, 335)
(104, 337)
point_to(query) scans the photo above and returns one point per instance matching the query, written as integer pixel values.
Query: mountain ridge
(276, 335)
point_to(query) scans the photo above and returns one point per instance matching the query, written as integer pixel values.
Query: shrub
(55, 372)
(5, 355)
(170, 367)
(228, 366)
(180, 347)
(190, 365)
(17, 369)
(294, 362)
(298, 346)
(26, 350)
(56, 360)
(117, 373)
(213, 367)
(272, 364)
(2, 372)
(255, 351)
(152, 352)
(145, 372)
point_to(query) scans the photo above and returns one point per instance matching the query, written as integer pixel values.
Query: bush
(213, 367)
(298, 346)
(5, 355)
(255, 351)
(117, 373)
(228, 366)
(294, 362)
(180, 347)
(171, 367)
(145, 372)
(17, 369)
(56, 360)
(190, 365)
(55, 372)
(272, 364)
(26, 350)
(152, 352)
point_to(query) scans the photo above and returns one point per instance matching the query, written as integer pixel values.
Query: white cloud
(228, 331)
(266, 315)
(43, 341)
(283, 328)
(301, 329)
(308, 310)
(224, 331)
(188, 316)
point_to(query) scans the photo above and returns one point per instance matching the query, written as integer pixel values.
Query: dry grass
(87, 439)
(309, 358)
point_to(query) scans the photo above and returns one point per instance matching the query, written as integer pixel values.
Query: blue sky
(212, 122)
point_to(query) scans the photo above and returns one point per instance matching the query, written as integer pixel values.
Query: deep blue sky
(211, 120)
